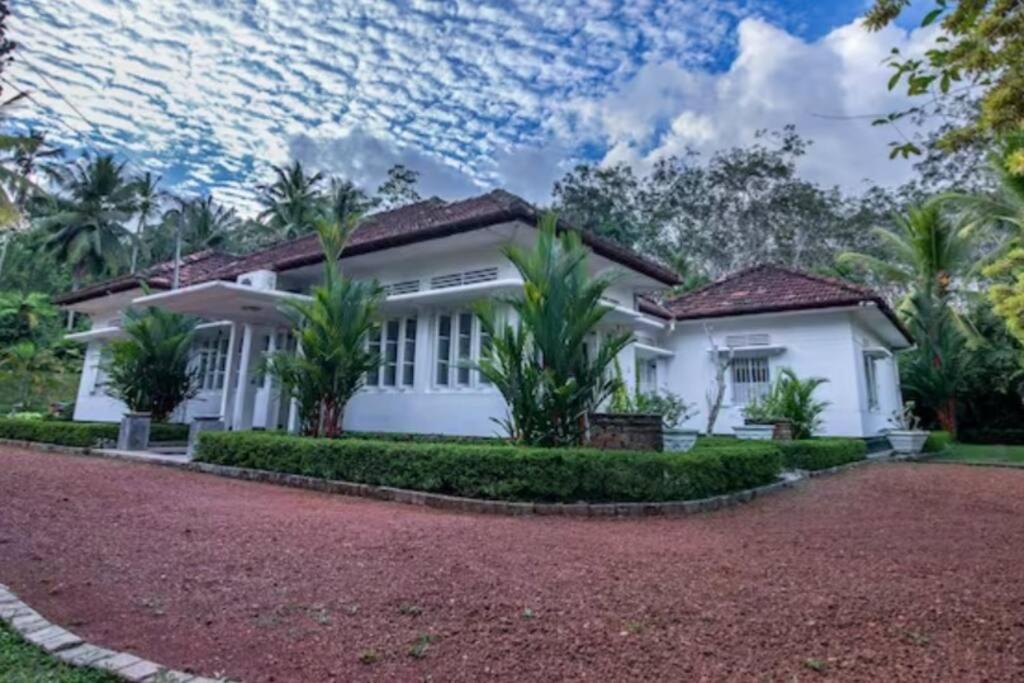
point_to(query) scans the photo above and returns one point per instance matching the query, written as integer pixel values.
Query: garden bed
(81, 434)
(502, 472)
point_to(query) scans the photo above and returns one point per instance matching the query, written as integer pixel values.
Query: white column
(273, 401)
(293, 405)
(229, 376)
(238, 419)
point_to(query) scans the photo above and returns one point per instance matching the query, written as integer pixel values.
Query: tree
(149, 369)
(332, 330)
(23, 156)
(982, 46)
(543, 365)
(715, 394)
(148, 195)
(606, 201)
(26, 317)
(30, 368)
(344, 199)
(399, 189)
(87, 226)
(293, 202)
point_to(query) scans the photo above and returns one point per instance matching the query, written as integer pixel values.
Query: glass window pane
(391, 353)
(373, 376)
(485, 348)
(465, 347)
(444, 348)
(409, 355)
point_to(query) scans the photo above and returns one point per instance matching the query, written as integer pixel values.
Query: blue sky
(472, 95)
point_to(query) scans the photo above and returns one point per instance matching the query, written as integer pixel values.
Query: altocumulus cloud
(471, 95)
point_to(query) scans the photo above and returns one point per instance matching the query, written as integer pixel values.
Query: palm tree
(87, 228)
(148, 196)
(23, 157)
(293, 201)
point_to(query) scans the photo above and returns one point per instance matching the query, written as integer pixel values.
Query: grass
(965, 452)
(21, 662)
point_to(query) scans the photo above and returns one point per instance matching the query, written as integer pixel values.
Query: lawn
(965, 452)
(21, 662)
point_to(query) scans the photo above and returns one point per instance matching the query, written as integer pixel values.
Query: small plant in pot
(674, 411)
(906, 435)
(759, 421)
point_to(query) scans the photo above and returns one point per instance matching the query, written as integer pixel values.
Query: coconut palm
(293, 201)
(22, 157)
(148, 196)
(87, 225)
(204, 223)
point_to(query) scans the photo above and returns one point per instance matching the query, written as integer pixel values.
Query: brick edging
(462, 504)
(73, 651)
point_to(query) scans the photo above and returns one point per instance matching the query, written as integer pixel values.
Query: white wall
(816, 344)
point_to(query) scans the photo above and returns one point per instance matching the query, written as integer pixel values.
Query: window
(394, 342)
(751, 379)
(485, 347)
(459, 343)
(211, 360)
(647, 376)
(871, 377)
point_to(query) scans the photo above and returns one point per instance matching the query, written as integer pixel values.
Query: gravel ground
(884, 573)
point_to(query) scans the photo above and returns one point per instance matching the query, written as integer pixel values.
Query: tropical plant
(23, 156)
(87, 226)
(792, 399)
(543, 366)
(149, 369)
(30, 368)
(293, 202)
(148, 195)
(25, 317)
(332, 330)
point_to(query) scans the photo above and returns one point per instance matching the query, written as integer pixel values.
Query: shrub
(790, 398)
(500, 471)
(937, 441)
(1005, 437)
(820, 454)
(80, 434)
(423, 438)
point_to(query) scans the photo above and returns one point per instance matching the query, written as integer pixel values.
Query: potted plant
(758, 422)
(674, 411)
(906, 436)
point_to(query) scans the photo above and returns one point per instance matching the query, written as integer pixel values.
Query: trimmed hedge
(406, 437)
(1002, 437)
(820, 454)
(937, 441)
(501, 472)
(81, 434)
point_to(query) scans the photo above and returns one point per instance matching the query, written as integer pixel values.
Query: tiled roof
(427, 220)
(195, 268)
(770, 288)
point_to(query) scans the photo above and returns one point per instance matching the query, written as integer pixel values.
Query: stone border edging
(73, 651)
(462, 504)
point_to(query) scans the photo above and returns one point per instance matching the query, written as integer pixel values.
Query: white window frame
(871, 381)
(458, 378)
(378, 342)
(211, 357)
(743, 392)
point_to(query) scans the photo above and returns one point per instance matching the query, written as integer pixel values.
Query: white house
(434, 258)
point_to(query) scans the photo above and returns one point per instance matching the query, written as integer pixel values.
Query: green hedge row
(1003, 437)
(821, 453)
(937, 441)
(81, 434)
(406, 437)
(501, 472)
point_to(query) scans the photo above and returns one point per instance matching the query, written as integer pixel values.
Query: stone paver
(140, 670)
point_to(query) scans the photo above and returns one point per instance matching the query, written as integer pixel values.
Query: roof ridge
(838, 282)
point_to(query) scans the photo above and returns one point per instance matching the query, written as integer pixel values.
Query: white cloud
(830, 89)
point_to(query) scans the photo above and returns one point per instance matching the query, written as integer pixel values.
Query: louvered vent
(405, 287)
(739, 340)
(469, 277)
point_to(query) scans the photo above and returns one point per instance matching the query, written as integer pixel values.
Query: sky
(211, 94)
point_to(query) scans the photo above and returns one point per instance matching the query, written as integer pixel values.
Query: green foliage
(332, 331)
(982, 45)
(820, 454)
(81, 434)
(671, 406)
(32, 368)
(790, 398)
(937, 441)
(502, 472)
(149, 369)
(423, 438)
(542, 365)
(993, 436)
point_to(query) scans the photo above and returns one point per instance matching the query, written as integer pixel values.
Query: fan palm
(293, 201)
(87, 227)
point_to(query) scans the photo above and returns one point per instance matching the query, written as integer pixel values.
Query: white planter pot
(198, 426)
(134, 432)
(679, 440)
(754, 432)
(905, 441)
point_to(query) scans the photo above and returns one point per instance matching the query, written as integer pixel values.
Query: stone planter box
(755, 432)
(906, 441)
(679, 440)
(134, 432)
(625, 431)
(200, 425)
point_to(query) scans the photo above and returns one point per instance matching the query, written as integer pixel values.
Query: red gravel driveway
(887, 572)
